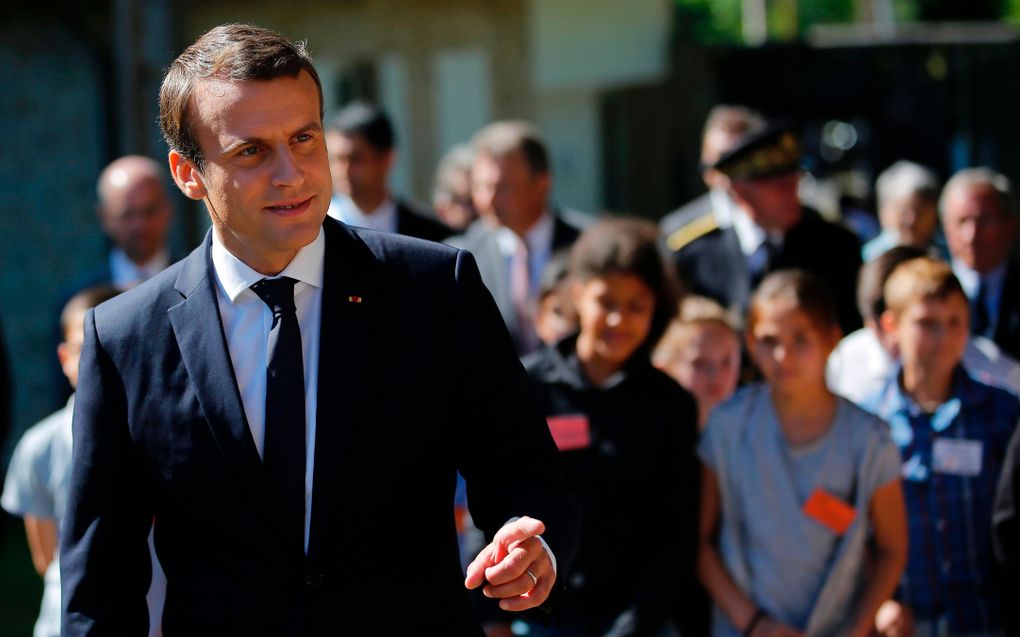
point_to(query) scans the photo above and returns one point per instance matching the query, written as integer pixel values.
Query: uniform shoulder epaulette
(680, 238)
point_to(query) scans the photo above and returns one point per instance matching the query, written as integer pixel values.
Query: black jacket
(637, 484)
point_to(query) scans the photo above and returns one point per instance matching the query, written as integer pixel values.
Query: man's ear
(187, 176)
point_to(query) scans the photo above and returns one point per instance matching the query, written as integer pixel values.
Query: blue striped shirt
(949, 574)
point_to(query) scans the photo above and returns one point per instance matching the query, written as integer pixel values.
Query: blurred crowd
(805, 427)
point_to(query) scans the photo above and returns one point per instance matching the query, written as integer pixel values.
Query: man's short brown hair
(500, 139)
(918, 280)
(232, 53)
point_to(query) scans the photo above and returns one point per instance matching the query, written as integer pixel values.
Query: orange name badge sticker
(570, 432)
(830, 511)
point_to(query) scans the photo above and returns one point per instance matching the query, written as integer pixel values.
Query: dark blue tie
(979, 321)
(283, 453)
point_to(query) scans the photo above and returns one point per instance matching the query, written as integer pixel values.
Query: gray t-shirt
(794, 568)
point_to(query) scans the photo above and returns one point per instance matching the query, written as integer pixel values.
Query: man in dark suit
(770, 230)
(980, 222)
(135, 214)
(518, 231)
(362, 152)
(292, 401)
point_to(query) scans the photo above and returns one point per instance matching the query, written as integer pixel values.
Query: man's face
(912, 217)
(266, 176)
(135, 213)
(508, 190)
(359, 169)
(979, 232)
(771, 202)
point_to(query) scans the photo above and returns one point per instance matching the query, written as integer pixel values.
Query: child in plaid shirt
(952, 431)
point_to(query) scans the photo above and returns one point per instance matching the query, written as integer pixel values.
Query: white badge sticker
(957, 457)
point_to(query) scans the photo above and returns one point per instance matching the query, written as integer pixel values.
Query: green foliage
(709, 21)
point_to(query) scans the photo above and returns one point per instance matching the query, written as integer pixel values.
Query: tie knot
(278, 294)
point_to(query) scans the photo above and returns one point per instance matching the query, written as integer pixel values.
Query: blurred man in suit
(362, 152)
(980, 222)
(518, 230)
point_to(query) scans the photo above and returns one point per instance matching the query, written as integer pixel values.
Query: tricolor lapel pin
(354, 299)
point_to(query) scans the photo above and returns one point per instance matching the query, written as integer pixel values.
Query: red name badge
(570, 432)
(830, 511)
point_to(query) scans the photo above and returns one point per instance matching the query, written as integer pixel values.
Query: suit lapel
(739, 279)
(199, 331)
(349, 303)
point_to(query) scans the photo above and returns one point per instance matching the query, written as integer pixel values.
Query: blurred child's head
(791, 329)
(701, 350)
(621, 288)
(907, 196)
(555, 316)
(870, 299)
(927, 315)
(72, 325)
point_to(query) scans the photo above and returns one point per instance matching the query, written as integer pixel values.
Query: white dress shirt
(246, 323)
(752, 238)
(383, 218)
(125, 273)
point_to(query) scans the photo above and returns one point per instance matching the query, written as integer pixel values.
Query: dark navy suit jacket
(416, 381)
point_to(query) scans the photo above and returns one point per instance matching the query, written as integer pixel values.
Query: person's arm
(506, 455)
(734, 602)
(888, 517)
(104, 552)
(42, 541)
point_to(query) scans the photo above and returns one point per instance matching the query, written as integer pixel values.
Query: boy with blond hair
(952, 431)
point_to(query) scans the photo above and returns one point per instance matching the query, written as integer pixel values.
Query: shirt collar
(236, 277)
(898, 407)
(722, 207)
(384, 217)
(127, 273)
(970, 279)
(538, 238)
(750, 235)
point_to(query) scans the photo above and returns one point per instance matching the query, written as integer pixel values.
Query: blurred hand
(505, 562)
(893, 619)
(768, 627)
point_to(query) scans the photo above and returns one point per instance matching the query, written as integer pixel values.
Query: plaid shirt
(950, 564)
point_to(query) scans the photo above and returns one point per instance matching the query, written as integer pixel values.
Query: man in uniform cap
(770, 229)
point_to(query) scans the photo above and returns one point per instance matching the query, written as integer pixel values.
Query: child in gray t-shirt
(796, 482)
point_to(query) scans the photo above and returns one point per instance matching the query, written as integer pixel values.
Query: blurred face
(979, 232)
(266, 177)
(788, 347)
(454, 207)
(931, 334)
(555, 318)
(615, 316)
(913, 218)
(507, 190)
(135, 214)
(771, 202)
(708, 365)
(359, 169)
(69, 351)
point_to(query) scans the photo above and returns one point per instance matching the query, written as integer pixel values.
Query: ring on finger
(534, 580)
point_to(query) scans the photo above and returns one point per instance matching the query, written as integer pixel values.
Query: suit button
(313, 579)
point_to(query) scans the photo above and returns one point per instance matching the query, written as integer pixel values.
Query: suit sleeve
(505, 453)
(104, 554)
(1006, 531)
